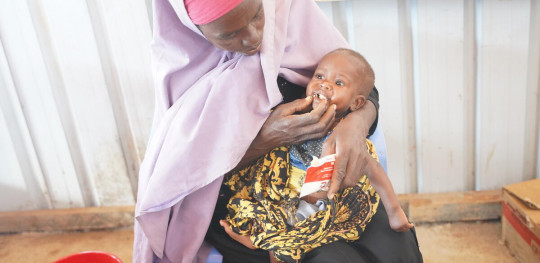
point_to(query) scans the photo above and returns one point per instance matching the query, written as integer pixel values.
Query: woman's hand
(284, 127)
(244, 240)
(348, 142)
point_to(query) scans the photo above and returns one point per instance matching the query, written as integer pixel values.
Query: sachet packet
(318, 175)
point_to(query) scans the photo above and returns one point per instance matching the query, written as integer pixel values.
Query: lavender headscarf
(210, 105)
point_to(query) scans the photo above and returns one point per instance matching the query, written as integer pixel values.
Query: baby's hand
(398, 220)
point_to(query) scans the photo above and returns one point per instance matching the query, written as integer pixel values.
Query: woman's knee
(337, 252)
(379, 243)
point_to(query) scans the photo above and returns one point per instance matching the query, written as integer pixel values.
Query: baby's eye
(318, 76)
(340, 83)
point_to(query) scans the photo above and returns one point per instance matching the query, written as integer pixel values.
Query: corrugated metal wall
(459, 84)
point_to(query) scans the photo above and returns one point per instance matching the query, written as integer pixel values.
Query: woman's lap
(379, 243)
(232, 251)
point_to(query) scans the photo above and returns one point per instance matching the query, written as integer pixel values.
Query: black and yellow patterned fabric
(266, 195)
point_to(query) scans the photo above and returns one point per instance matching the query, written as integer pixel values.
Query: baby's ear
(357, 102)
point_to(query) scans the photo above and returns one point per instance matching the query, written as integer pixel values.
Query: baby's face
(337, 80)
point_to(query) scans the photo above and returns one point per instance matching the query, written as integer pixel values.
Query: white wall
(76, 101)
(459, 84)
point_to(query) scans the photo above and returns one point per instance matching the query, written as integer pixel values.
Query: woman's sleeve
(374, 97)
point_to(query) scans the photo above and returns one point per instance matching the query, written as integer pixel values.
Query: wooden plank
(450, 207)
(421, 208)
(444, 98)
(90, 218)
(382, 35)
(504, 51)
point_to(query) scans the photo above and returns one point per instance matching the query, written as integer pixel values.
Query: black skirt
(378, 244)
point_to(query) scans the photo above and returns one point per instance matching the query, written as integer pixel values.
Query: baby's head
(345, 78)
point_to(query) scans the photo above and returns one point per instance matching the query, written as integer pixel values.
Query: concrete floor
(455, 242)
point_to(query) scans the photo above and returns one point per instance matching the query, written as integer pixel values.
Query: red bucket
(90, 257)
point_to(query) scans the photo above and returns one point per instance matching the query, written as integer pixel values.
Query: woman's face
(240, 30)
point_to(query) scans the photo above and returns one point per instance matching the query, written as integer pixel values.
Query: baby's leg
(398, 220)
(314, 197)
(383, 186)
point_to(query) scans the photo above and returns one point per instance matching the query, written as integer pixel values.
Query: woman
(216, 65)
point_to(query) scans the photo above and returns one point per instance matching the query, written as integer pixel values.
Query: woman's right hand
(284, 127)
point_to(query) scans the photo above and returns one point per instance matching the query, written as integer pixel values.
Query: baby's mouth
(319, 96)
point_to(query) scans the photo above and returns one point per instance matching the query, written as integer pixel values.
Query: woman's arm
(348, 143)
(284, 127)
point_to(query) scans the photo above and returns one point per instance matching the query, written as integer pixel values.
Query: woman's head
(239, 29)
(345, 78)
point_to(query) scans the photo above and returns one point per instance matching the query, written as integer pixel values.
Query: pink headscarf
(205, 11)
(210, 105)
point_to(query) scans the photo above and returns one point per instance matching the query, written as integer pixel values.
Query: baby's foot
(398, 220)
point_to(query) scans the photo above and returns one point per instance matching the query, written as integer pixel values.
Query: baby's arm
(378, 178)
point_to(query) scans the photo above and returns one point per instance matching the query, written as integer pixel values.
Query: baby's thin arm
(378, 178)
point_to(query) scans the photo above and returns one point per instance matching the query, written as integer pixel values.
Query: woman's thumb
(303, 105)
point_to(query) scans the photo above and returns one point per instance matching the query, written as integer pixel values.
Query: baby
(265, 208)
(345, 78)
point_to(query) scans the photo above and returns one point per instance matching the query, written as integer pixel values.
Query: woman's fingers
(244, 240)
(285, 126)
(355, 170)
(313, 117)
(351, 156)
(299, 105)
(319, 127)
(340, 168)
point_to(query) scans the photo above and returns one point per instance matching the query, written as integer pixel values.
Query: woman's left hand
(348, 142)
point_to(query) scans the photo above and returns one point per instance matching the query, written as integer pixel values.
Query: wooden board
(91, 218)
(450, 207)
(421, 208)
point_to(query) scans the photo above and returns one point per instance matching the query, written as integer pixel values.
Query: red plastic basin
(90, 257)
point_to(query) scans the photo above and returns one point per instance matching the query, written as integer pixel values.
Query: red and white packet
(318, 175)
